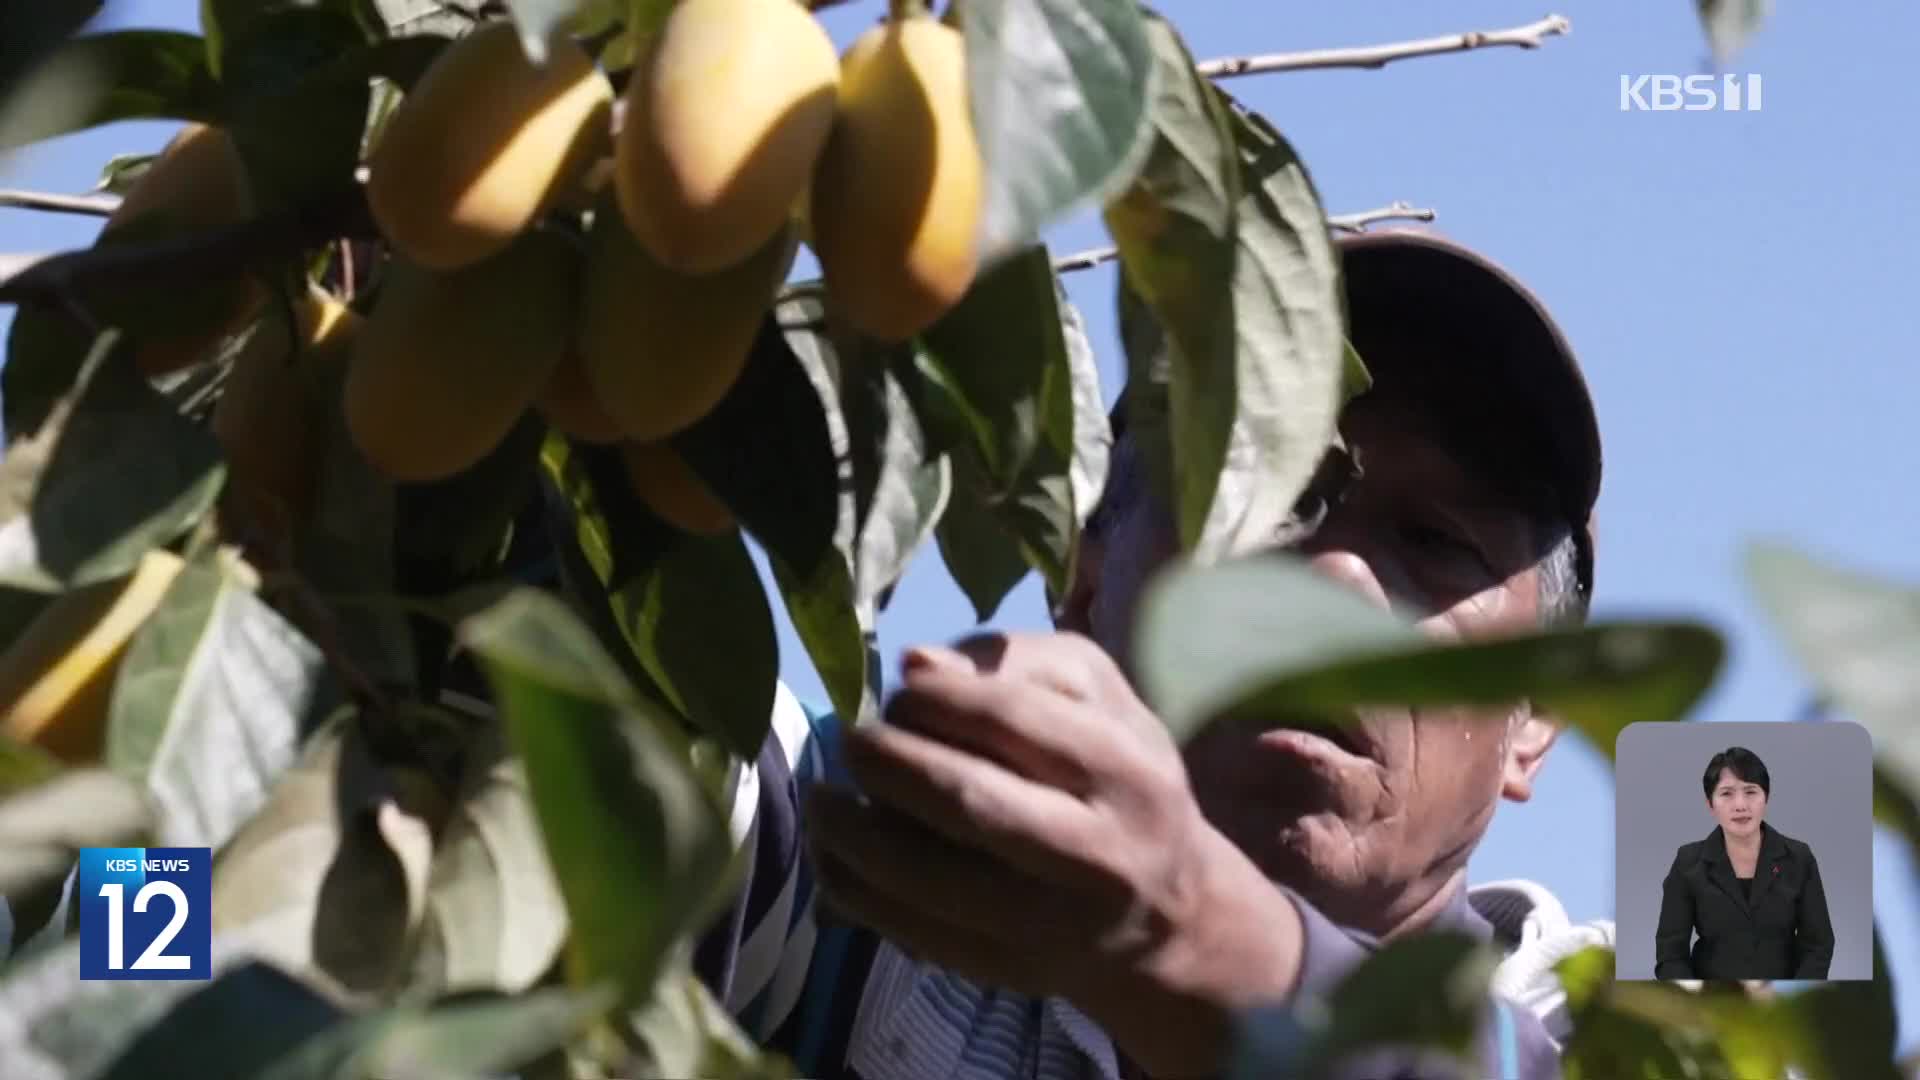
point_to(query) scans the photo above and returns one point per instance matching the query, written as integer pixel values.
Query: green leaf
(1853, 1026)
(706, 635)
(1355, 379)
(23, 766)
(639, 845)
(985, 561)
(1730, 23)
(1010, 378)
(403, 60)
(910, 486)
(223, 20)
(1266, 637)
(477, 1038)
(119, 75)
(1609, 1043)
(1175, 228)
(770, 452)
(1856, 636)
(564, 488)
(43, 826)
(1427, 990)
(994, 354)
(1224, 240)
(821, 595)
(495, 918)
(122, 171)
(127, 473)
(691, 608)
(820, 604)
(296, 91)
(209, 705)
(347, 547)
(28, 32)
(1718, 1029)
(328, 878)
(250, 1017)
(1059, 92)
(406, 18)
(687, 1033)
(1091, 435)
(539, 21)
(1896, 805)
(451, 532)
(1585, 975)
(45, 351)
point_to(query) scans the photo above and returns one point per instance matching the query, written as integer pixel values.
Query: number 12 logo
(147, 903)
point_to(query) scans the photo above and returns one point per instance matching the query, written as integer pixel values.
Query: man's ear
(1074, 611)
(1532, 736)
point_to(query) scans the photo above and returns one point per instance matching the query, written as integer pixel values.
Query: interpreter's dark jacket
(1781, 932)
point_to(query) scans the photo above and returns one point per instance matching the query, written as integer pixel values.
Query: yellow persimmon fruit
(198, 178)
(668, 485)
(269, 419)
(662, 348)
(485, 143)
(197, 183)
(449, 361)
(56, 681)
(726, 114)
(568, 403)
(897, 196)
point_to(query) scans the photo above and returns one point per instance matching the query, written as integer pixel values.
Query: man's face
(1738, 805)
(1369, 825)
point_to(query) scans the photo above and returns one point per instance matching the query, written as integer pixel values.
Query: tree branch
(90, 205)
(1398, 211)
(54, 278)
(1530, 36)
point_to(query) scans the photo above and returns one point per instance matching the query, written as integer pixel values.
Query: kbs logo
(143, 913)
(1690, 93)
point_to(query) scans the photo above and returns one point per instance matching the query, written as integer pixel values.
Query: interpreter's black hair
(1745, 764)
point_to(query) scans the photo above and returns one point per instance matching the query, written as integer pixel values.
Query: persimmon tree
(442, 337)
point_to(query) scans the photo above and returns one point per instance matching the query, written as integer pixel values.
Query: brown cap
(1516, 369)
(1512, 375)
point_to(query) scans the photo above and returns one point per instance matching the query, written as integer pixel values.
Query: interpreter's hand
(1027, 823)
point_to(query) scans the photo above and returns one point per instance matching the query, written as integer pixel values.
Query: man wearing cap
(1036, 882)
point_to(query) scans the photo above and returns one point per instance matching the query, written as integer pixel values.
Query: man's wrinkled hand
(1027, 822)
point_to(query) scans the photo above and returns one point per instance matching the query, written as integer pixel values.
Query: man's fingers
(904, 859)
(1023, 700)
(976, 803)
(1066, 663)
(922, 935)
(1010, 724)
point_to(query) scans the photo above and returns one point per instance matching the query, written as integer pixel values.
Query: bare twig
(1530, 36)
(1085, 260)
(90, 205)
(1398, 211)
(48, 278)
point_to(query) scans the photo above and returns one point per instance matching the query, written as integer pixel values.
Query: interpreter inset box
(1744, 851)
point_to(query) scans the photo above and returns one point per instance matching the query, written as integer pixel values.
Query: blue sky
(1738, 285)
